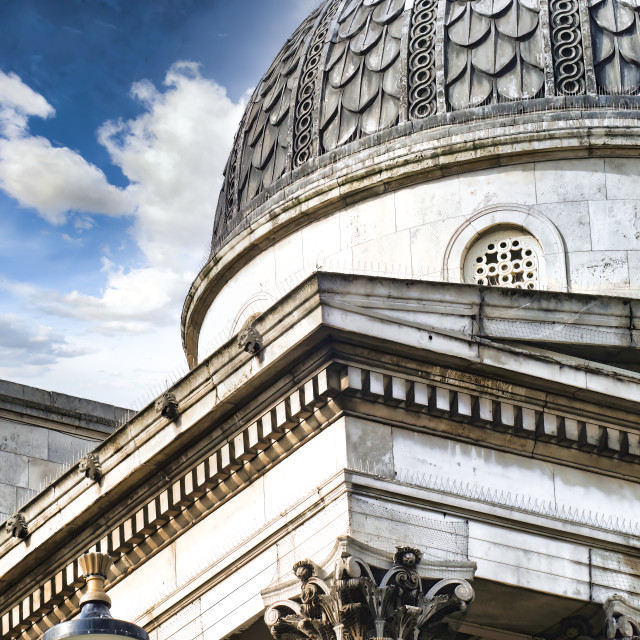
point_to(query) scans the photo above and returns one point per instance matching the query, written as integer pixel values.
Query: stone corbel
(90, 466)
(167, 406)
(622, 619)
(250, 340)
(16, 526)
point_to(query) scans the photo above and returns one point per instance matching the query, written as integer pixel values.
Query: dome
(406, 136)
(360, 67)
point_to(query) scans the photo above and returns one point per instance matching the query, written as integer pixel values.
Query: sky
(116, 120)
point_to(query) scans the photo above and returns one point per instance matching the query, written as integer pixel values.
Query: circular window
(505, 258)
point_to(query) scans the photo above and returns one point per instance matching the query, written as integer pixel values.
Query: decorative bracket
(250, 340)
(90, 466)
(357, 605)
(16, 526)
(622, 619)
(167, 406)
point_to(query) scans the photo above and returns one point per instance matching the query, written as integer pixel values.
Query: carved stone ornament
(362, 92)
(494, 51)
(250, 340)
(355, 68)
(90, 466)
(358, 606)
(167, 406)
(616, 54)
(622, 619)
(16, 526)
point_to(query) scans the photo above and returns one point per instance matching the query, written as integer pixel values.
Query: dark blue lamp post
(95, 618)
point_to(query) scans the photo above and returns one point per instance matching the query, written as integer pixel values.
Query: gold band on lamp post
(95, 567)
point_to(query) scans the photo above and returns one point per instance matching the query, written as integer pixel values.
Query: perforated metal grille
(505, 259)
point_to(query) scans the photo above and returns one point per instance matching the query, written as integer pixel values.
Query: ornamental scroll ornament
(264, 158)
(303, 122)
(363, 72)
(566, 39)
(422, 67)
(167, 406)
(356, 606)
(90, 467)
(622, 619)
(615, 35)
(494, 51)
(16, 526)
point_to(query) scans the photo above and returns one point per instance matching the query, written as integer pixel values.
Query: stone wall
(41, 434)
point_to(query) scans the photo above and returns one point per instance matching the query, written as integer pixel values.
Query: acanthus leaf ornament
(16, 526)
(357, 606)
(494, 52)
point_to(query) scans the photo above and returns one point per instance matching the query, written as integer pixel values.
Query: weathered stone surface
(23, 439)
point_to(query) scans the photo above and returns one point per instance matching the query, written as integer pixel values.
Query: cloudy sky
(116, 119)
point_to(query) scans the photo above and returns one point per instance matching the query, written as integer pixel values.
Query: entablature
(241, 414)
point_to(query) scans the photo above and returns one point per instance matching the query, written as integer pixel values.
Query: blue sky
(116, 118)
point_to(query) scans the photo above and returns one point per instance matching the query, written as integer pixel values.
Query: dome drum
(371, 102)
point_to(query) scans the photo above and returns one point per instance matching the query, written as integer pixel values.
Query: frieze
(292, 420)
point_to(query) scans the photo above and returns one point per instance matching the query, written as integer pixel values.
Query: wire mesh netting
(615, 573)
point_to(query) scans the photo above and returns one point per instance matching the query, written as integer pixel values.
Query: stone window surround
(511, 215)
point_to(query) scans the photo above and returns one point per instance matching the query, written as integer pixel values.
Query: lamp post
(95, 618)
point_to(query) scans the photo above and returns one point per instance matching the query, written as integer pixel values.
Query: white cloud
(22, 344)
(53, 180)
(174, 155)
(16, 95)
(56, 180)
(132, 301)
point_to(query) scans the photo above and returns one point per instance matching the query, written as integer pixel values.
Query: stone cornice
(58, 411)
(298, 416)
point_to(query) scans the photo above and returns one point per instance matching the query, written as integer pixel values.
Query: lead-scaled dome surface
(358, 67)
